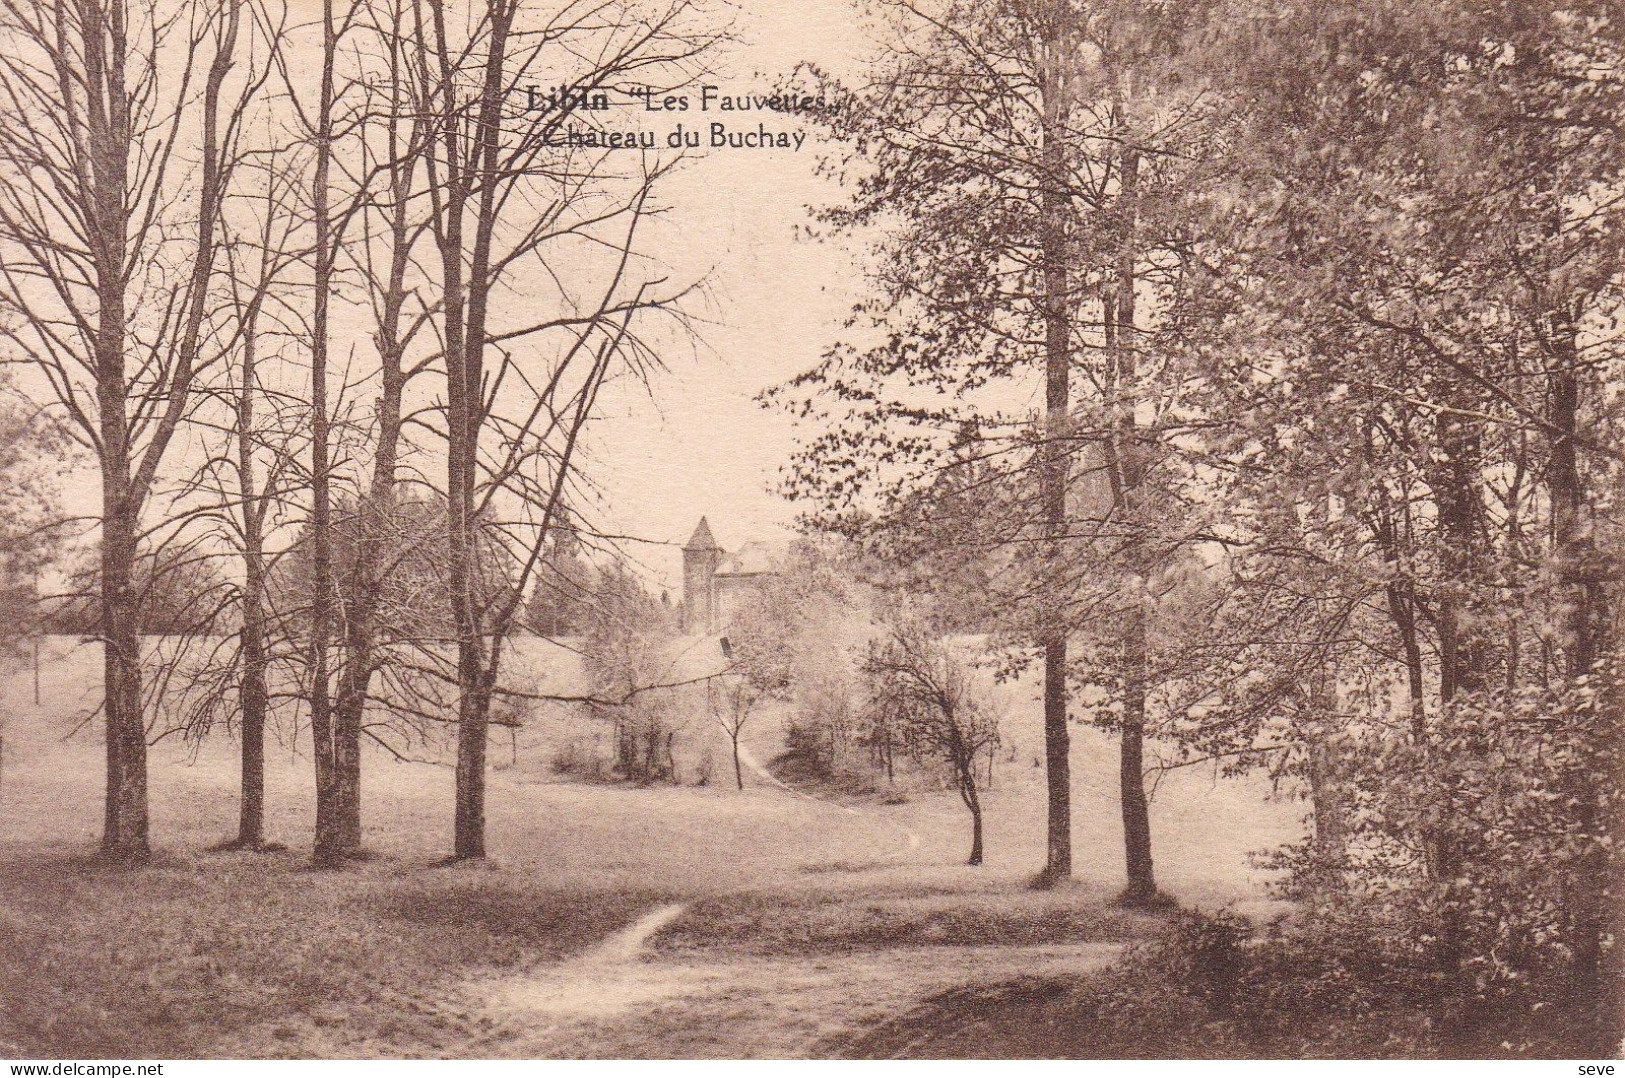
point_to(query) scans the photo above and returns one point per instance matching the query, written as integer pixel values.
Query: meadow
(611, 920)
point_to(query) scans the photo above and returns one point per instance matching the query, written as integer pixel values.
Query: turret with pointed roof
(702, 539)
(701, 555)
(716, 583)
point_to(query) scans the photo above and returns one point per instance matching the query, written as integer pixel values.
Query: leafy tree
(928, 693)
(960, 147)
(1025, 167)
(630, 651)
(33, 454)
(1417, 291)
(560, 602)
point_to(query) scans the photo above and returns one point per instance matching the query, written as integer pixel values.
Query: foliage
(1342, 987)
(1345, 438)
(1410, 324)
(801, 642)
(33, 453)
(629, 653)
(560, 600)
(920, 688)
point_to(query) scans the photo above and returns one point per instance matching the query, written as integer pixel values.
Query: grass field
(611, 921)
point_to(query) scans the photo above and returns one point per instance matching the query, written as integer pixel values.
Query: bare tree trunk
(124, 832)
(332, 796)
(967, 791)
(465, 402)
(1142, 883)
(1128, 470)
(469, 817)
(366, 579)
(376, 539)
(253, 696)
(1057, 301)
(472, 724)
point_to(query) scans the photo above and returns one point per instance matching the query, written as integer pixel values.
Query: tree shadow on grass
(552, 923)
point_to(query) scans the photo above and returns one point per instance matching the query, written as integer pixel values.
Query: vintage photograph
(847, 529)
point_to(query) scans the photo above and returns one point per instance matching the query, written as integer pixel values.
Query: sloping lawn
(245, 955)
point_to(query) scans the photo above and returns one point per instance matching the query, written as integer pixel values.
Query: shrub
(573, 760)
(1312, 985)
(807, 744)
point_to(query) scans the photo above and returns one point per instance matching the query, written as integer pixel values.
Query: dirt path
(749, 1006)
(620, 999)
(605, 981)
(628, 943)
(747, 758)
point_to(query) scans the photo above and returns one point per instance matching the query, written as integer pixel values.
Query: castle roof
(702, 539)
(752, 559)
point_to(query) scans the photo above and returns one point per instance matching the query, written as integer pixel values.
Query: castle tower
(701, 556)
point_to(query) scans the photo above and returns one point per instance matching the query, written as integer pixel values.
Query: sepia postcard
(847, 529)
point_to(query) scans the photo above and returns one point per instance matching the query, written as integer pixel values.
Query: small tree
(560, 601)
(928, 694)
(733, 700)
(628, 652)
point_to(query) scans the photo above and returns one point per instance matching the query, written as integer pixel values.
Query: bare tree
(733, 701)
(508, 467)
(250, 480)
(364, 147)
(388, 228)
(338, 807)
(108, 259)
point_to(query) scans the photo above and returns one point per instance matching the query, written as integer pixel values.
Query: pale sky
(702, 445)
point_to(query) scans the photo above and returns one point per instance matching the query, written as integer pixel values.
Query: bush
(807, 746)
(1207, 954)
(572, 760)
(1309, 986)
